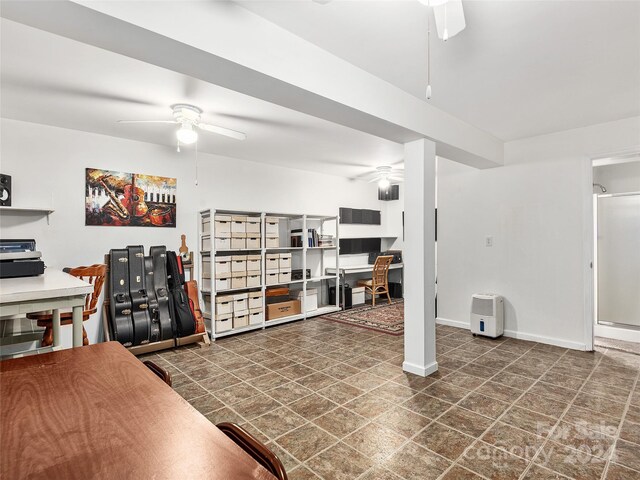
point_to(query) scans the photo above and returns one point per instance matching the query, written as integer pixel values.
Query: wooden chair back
(95, 275)
(381, 270)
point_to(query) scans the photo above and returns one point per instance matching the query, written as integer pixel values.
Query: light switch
(488, 242)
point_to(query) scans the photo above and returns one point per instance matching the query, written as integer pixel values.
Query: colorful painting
(121, 199)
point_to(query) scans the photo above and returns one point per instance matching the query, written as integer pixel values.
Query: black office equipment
(350, 246)
(19, 258)
(348, 295)
(5, 190)
(359, 216)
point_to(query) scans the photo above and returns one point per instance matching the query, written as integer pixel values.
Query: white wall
(48, 164)
(618, 178)
(534, 208)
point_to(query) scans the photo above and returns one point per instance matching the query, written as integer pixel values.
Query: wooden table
(98, 412)
(52, 290)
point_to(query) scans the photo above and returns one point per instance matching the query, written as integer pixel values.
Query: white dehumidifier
(487, 315)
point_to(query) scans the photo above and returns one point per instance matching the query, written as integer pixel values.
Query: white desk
(351, 269)
(51, 291)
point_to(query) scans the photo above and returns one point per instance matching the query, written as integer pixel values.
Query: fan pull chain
(445, 33)
(196, 163)
(428, 58)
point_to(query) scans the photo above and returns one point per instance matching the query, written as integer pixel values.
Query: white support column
(419, 258)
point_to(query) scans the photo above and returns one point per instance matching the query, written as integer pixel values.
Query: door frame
(588, 252)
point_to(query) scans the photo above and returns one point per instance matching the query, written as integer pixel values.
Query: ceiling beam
(224, 44)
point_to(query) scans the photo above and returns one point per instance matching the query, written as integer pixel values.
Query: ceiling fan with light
(449, 17)
(188, 117)
(386, 175)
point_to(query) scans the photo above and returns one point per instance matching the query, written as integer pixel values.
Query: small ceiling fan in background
(386, 175)
(188, 117)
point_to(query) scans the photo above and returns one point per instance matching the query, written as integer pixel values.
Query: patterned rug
(383, 317)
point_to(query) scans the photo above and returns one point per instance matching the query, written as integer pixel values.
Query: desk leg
(55, 326)
(77, 326)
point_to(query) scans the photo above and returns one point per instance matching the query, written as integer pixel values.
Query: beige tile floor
(333, 402)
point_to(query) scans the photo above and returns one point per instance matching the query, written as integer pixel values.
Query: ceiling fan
(386, 175)
(449, 17)
(188, 117)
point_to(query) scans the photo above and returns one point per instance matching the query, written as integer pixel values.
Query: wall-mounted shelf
(20, 210)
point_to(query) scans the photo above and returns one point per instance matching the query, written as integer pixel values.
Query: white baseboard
(617, 333)
(452, 323)
(423, 371)
(519, 335)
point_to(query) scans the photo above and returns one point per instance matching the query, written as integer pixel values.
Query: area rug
(383, 317)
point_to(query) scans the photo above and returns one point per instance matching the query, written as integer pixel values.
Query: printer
(19, 258)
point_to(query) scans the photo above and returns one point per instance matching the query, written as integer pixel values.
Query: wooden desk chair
(379, 283)
(255, 449)
(158, 371)
(95, 275)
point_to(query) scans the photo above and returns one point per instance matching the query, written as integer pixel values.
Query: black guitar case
(154, 309)
(184, 319)
(159, 257)
(120, 301)
(139, 300)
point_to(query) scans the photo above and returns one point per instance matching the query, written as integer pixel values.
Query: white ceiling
(52, 80)
(520, 69)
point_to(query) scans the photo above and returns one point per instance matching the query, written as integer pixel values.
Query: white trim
(423, 371)
(519, 335)
(558, 342)
(588, 247)
(453, 323)
(617, 333)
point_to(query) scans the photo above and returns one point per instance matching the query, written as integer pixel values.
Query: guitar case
(191, 287)
(154, 308)
(179, 301)
(139, 300)
(120, 301)
(159, 257)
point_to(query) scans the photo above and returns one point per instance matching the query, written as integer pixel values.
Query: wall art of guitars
(120, 199)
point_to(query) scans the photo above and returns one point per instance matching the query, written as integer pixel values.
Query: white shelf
(323, 224)
(280, 321)
(323, 311)
(233, 331)
(44, 210)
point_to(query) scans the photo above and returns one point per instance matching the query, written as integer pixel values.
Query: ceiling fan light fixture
(384, 183)
(186, 134)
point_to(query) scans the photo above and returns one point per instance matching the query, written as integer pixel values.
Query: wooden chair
(255, 449)
(379, 283)
(158, 371)
(95, 275)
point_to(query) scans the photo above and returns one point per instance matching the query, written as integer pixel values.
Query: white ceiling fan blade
(222, 131)
(450, 18)
(147, 121)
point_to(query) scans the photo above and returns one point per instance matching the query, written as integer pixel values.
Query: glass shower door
(618, 260)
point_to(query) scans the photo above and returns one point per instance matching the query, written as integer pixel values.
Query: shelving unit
(305, 257)
(21, 210)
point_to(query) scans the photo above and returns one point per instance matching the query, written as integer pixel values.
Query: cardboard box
(272, 261)
(272, 226)
(255, 300)
(240, 302)
(221, 243)
(272, 241)
(254, 263)
(253, 279)
(285, 261)
(253, 240)
(311, 302)
(239, 263)
(223, 281)
(224, 323)
(241, 319)
(205, 223)
(206, 266)
(206, 243)
(239, 280)
(256, 316)
(284, 277)
(357, 295)
(238, 241)
(253, 225)
(222, 224)
(223, 265)
(238, 224)
(224, 304)
(271, 278)
(283, 309)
